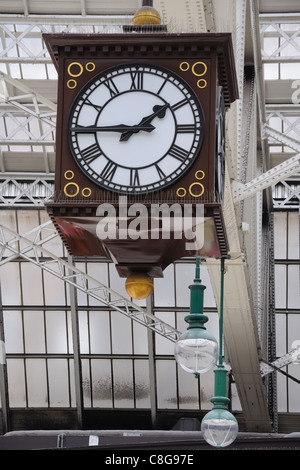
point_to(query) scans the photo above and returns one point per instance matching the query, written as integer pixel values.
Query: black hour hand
(158, 111)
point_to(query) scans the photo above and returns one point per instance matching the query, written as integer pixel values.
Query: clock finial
(146, 15)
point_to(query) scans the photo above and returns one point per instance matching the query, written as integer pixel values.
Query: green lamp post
(219, 426)
(196, 350)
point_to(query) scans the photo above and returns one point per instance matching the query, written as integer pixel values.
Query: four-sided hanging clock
(140, 116)
(136, 128)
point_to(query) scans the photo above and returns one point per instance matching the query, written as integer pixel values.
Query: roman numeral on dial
(137, 80)
(134, 178)
(186, 128)
(91, 153)
(109, 171)
(179, 153)
(160, 172)
(97, 107)
(110, 84)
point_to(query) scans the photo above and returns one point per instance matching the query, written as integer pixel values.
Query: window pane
(32, 294)
(86, 382)
(188, 390)
(166, 384)
(58, 382)
(280, 286)
(280, 334)
(164, 288)
(293, 329)
(99, 272)
(27, 220)
(123, 383)
(207, 389)
(164, 345)
(13, 328)
(142, 386)
(281, 392)
(294, 396)
(10, 284)
(101, 383)
(54, 289)
(83, 332)
(280, 227)
(36, 380)
(121, 334)
(185, 274)
(34, 332)
(99, 332)
(140, 338)
(16, 383)
(294, 287)
(56, 332)
(293, 236)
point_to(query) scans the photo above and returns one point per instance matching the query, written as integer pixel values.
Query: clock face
(135, 128)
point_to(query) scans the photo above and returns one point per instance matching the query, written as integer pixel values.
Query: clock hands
(126, 130)
(117, 128)
(158, 111)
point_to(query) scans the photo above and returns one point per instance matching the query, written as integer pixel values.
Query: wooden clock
(140, 120)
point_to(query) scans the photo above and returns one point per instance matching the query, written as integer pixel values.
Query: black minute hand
(158, 111)
(117, 128)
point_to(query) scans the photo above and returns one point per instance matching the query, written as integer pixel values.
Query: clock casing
(137, 119)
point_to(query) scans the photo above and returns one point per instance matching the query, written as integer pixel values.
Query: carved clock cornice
(131, 46)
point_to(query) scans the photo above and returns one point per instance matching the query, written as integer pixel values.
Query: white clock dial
(136, 128)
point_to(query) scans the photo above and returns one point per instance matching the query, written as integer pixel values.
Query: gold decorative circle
(86, 192)
(75, 74)
(196, 184)
(202, 83)
(69, 174)
(199, 74)
(71, 84)
(71, 184)
(179, 194)
(199, 177)
(184, 66)
(90, 66)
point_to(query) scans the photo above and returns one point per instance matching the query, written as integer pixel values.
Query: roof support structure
(33, 251)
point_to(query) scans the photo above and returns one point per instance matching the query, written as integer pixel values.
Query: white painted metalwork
(278, 173)
(25, 189)
(33, 251)
(16, 93)
(281, 362)
(286, 195)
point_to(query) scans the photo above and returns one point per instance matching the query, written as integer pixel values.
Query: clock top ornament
(141, 121)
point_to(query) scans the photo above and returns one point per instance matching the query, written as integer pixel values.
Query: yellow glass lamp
(139, 286)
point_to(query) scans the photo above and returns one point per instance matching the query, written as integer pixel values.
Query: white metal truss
(280, 172)
(281, 362)
(286, 195)
(33, 251)
(287, 46)
(16, 93)
(23, 190)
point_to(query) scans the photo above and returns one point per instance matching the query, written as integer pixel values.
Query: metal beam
(282, 361)
(34, 252)
(278, 173)
(7, 95)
